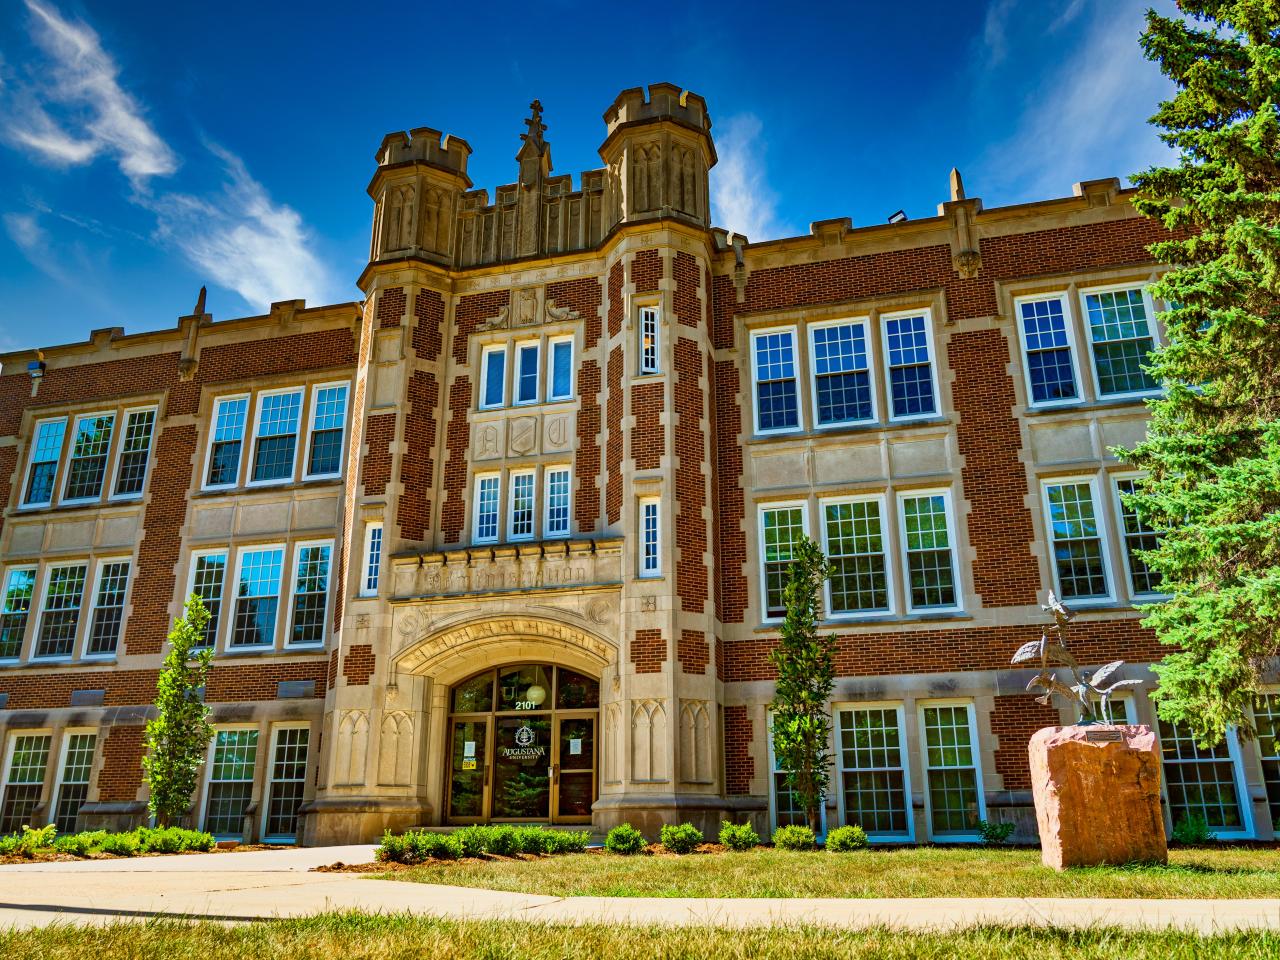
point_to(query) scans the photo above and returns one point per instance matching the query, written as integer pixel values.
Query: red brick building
(505, 540)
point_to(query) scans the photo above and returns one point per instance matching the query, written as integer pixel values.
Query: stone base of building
(116, 817)
(648, 813)
(328, 823)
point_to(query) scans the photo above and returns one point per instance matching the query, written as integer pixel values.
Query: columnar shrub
(624, 839)
(793, 837)
(844, 839)
(738, 836)
(681, 839)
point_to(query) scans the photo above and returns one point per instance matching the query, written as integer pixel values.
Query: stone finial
(536, 127)
(957, 185)
(199, 310)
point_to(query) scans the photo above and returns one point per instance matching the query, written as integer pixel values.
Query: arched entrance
(523, 745)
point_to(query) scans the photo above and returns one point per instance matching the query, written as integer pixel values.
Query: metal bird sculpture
(1091, 699)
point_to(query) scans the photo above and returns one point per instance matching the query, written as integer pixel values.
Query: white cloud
(243, 240)
(25, 231)
(995, 29)
(741, 199)
(79, 82)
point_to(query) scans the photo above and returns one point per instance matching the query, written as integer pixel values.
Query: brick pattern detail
(584, 297)
(333, 668)
(229, 683)
(471, 312)
(87, 383)
(731, 557)
(1005, 572)
(648, 435)
(417, 469)
(453, 513)
(352, 474)
(613, 445)
(739, 767)
(8, 468)
(958, 649)
(380, 430)
(646, 271)
(586, 459)
(1013, 721)
(357, 665)
(648, 651)
(615, 299)
(428, 332)
(120, 778)
(691, 480)
(687, 274)
(693, 652)
(159, 547)
(296, 353)
(391, 304)
(45, 691)
(1065, 249)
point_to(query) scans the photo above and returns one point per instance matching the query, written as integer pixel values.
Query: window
(44, 462)
(953, 787)
(372, 560)
(855, 546)
(288, 780)
(487, 508)
(1046, 339)
(226, 440)
(277, 436)
(910, 370)
(841, 374)
(16, 607)
(208, 576)
(1078, 553)
(527, 373)
(557, 493)
(328, 420)
(1120, 337)
(931, 582)
(89, 447)
(561, 370)
(774, 369)
(135, 451)
(257, 597)
(1266, 715)
(1201, 783)
(873, 771)
(310, 593)
(108, 607)
(648, 339)
(520, 519)
(493, 374)
(650, 548)
(61, 615)
(1138, 536)
(780, 529)
(28, 757)
(73, 784)
(786, 805)
(235, 755)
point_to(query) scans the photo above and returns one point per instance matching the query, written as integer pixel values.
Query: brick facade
(1013, 721)
(648, 651)
(739, 766)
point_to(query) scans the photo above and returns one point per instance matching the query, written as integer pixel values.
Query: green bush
(474, 840)
(424, 846)
(1192, 830)
(532, 840)
(681, 839)
(567, 841)
(738, 836)
(624, 839)
(119, 844)
(75, 844)
(793, 837)
(173, 840)
(995, 832)
(504, 841)
(33, 839)
(844, 839)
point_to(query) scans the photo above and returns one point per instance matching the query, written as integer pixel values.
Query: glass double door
(523, 767)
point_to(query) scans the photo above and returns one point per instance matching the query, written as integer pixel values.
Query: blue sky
(148, 148)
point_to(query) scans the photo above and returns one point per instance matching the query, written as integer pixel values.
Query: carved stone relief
(557, 433)
(613, 735)
(522, 436)
(349, 750)
(649, 741)
(696, 761)
(487, 445)
(395, 752)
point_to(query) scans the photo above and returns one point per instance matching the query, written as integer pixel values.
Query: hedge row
(418, 846)
(626, 839)
(31, 842)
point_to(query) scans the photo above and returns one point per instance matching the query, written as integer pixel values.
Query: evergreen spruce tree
(178, 736)
(805, 660)
(1213, 446)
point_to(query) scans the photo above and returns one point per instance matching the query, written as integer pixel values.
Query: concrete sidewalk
(270, 884)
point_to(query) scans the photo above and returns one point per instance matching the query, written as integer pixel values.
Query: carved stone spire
(957, 185)
(535, 152)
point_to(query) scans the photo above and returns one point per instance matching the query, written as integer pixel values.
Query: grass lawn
(881, 872)
(361, 936)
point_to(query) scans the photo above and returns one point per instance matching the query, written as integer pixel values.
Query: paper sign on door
(575, 747)
(468, 764)
(468, 748)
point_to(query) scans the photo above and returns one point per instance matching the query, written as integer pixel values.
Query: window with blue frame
(910, 368)
(842, 378)
(1121, 336)
(774, 365)
(561, 370)
(494, 375)
(527, 373)
(1050, 371)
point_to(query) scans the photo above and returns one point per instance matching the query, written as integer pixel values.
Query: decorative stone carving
(422, 657)
(522, 436)
(529, 307)
(395, 751)
(649, 741)
(599, 610)
(533, 566)
(613, 743)
(695, 741)
(487, 442)
(350, 748)
(557, 434)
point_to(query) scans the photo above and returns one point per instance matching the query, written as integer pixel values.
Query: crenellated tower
(416, 189)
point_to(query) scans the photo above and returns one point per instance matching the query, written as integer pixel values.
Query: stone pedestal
(1097, 795)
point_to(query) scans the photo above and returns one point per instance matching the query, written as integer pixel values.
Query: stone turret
(421, 176)
(657, 153)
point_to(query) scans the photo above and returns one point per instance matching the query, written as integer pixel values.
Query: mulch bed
(54, 856)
